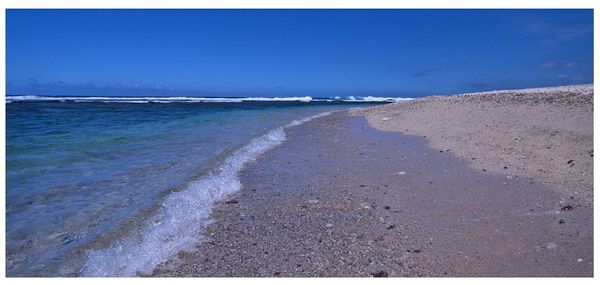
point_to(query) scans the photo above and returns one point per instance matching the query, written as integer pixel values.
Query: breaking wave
(181, 216)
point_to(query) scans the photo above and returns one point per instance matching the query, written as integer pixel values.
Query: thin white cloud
(557, 65)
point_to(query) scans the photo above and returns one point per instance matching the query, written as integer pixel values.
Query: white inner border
(322, 4)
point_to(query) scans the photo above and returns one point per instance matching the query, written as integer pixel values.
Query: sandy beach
(541, 133)
(489, 184)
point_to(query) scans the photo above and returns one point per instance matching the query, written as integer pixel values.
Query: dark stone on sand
(567, 208)
(232, 202)
(570, 161)
(387, 207)
(380, 274)
(561, 221)
(390, 227)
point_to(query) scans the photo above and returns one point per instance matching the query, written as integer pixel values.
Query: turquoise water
(114, 188)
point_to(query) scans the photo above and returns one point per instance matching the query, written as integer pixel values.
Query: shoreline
(314, 206)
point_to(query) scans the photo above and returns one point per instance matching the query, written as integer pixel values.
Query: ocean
(114, 186)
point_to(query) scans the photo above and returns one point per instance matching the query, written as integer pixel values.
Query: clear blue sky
(294, 52)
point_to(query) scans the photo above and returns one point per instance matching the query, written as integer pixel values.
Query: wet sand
(341, 198)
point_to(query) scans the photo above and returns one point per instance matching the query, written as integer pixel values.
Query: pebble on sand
(550, 245)
(567, 208)
(380, 274)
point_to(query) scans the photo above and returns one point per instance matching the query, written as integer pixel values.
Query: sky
(318, 53)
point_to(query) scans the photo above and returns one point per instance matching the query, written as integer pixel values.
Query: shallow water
(113, 188)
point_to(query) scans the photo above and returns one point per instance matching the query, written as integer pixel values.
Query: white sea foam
(181, 217)
(80, 99)
(375, 99)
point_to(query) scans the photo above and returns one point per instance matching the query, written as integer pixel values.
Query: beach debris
(366, 205)
(561, 221)
(232, 201)
(380, 274)
(579, 259)
(570, 161)
(329, 225)
(390, 227)
(387, 207)
(567, 208)
(550, 245)
(385, 119)
(313, 201)
(401, 173)
(484, 170)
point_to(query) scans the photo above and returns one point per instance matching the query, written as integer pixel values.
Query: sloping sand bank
(542, 133)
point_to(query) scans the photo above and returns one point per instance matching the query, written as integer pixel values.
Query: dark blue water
(101, 188)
